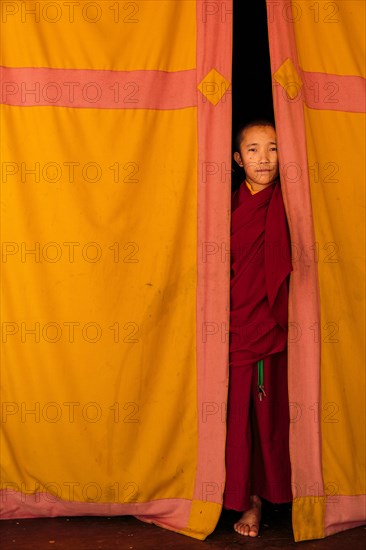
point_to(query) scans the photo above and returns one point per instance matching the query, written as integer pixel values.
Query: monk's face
(258, 156)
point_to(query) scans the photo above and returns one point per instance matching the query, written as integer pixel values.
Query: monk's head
(256, 153)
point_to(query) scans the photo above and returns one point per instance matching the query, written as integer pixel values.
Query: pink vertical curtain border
(304, 308)
(214, 51)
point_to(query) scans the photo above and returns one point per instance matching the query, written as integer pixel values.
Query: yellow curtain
(114, 218)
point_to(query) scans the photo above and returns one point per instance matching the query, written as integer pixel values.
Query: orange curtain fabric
(115, 201)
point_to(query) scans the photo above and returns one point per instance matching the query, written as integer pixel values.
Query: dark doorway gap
(251, 78)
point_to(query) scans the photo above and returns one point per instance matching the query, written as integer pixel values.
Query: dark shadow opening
(252, 89)
(251, 79)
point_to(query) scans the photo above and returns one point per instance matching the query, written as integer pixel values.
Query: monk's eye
(251, 150)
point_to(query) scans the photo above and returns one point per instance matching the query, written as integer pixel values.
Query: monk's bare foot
(248, 524)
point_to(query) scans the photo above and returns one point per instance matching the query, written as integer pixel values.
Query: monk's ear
(237, 158)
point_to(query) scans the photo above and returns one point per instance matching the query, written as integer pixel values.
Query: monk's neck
(254, 189)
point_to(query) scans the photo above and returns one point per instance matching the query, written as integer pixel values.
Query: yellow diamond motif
(289, 79)
(214, 86)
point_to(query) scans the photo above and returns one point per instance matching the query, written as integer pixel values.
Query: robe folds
(257, 454)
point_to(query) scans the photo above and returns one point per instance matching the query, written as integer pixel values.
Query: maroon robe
(257, 455)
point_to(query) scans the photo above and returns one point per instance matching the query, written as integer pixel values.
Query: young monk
(257, 452)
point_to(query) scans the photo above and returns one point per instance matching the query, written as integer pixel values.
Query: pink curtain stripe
(344, 512)
(333, 92)
(98, 89)
(174, 512)
(214, 47)
(304, 309)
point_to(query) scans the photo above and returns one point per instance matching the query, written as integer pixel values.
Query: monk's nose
(264, 158)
